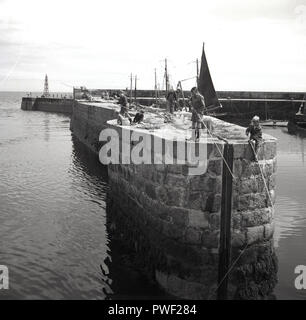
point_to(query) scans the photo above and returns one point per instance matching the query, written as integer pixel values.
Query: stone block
(255, 234)
(160, 167)
(194, 200)
(198, 183)
(237, 168)
(256, 217)
(259, 200)
(210, 239)
(238, 239)
(204, 199)
(215, 167)
(249, 153)
(260, 185)
(243, 203)
(162, 194)
(180, 216)
(261, 152)
(246, 169)
(247, 186)
(197, 219)
(174, 168)
(216, 203)
(215, 150)
(177, 180)
(255, 168)
(236, 220)
(147, 171)
(176, 196)
(150, 190)
(239, 150)
(158, 177)
(172, 230)
(193, 236)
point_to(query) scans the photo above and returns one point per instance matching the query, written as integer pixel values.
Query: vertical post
(197, 62)
(166, 76)
(266, 109)
(135, 93)
(131, 88)
(225, 223)
(155, 86)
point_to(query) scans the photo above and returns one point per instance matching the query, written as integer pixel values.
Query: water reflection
(290, 214)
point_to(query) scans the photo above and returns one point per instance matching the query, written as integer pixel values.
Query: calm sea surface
(53, 234)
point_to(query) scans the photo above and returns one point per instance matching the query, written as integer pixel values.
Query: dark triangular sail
(206, 86)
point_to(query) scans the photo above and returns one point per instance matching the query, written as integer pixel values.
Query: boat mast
(135, 88)
(131, 88)
(197, 62)
(155, 86)
(166, 76)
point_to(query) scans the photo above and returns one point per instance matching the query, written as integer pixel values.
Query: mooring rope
(221, 154)
(229, 271)
(262, 175)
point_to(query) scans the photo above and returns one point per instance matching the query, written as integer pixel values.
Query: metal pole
(166, 76)
(131, 88)
(197, 62)
(155, 86)
(225, 224)
(135, 93)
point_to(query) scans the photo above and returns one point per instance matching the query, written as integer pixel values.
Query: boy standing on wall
(124, 109)
(255, 132)
(198, 109)
(171, 101)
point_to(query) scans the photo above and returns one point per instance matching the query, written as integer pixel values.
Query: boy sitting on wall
(255, 132)
(139, 117)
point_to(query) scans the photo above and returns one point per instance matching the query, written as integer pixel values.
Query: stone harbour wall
(87, 121)
(179, 217)
(171, 220)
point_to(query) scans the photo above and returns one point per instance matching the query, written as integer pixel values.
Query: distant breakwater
(58, 105)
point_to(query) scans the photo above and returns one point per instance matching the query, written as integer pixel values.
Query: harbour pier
(205, 236)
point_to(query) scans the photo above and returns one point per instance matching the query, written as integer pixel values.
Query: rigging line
(244, 249)
(220, 138)
(263, 177)
(188, 79)
(229, 271)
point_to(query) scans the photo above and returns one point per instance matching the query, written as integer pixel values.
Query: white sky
(250, 44)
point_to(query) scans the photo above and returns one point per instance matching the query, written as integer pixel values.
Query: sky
(254, 45)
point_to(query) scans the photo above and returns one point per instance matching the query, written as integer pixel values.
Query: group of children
(254, 131)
